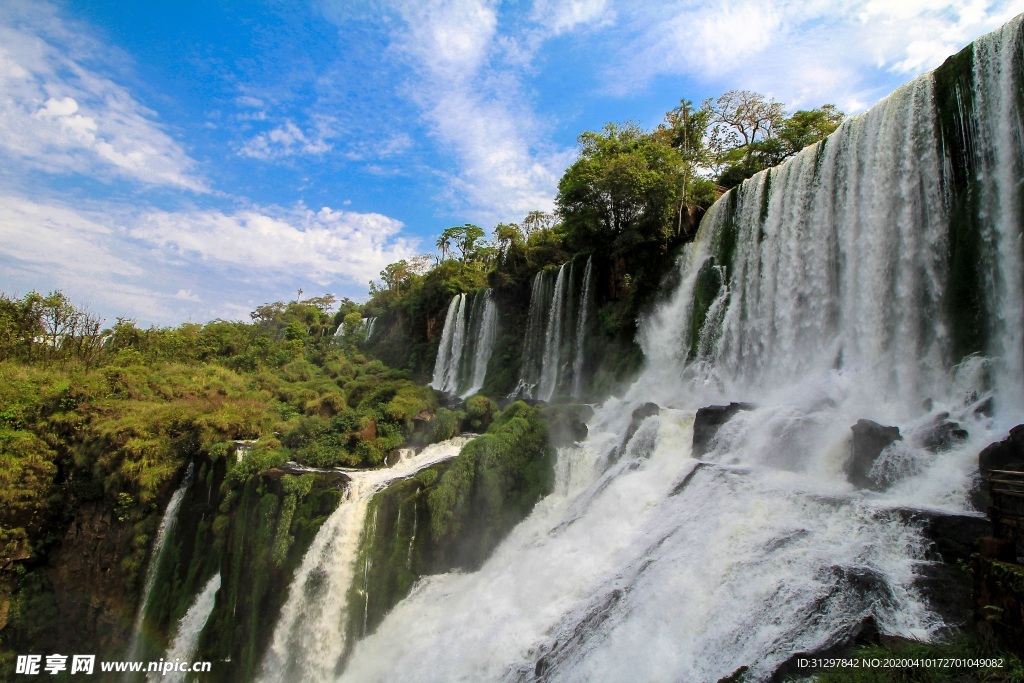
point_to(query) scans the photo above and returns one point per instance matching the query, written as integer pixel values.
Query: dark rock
(737, 676)
(869, 440)
(567, 424)
(1007, 454)
(709, 420)
(941, 580)
(864, 633)
(942, 434)
(639, 415)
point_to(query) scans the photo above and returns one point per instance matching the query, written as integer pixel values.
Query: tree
(624, 188)
(805, 127)
(737, 120)
(444, 244)
(536, 221)
(466, 238)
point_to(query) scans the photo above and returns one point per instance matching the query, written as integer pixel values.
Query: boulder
(1007, 454)
(709, 420)
(869, 440)
(942, 434)
(639, 415)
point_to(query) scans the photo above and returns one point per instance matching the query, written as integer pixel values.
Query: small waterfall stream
(466, 344)
(167, 523)
(554, 358)
(191, 626)
(309, 638)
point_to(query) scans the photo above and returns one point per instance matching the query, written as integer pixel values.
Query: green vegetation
(451, 515)
(97, 427)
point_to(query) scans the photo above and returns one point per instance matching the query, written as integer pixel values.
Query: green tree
(623, 189)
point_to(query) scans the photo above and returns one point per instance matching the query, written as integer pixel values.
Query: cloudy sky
(192, 160)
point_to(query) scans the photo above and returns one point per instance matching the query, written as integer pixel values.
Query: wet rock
(639, 415)
(1007, 454)
(567, 424)
(864, 633)
(869, 440)
(709, 420)
(942, 434)
(953, 537)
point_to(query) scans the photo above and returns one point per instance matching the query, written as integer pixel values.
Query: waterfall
(999, 157)
(369, 323)
(191, 626)
(820, 292)
(551, 366)
(167, 523)
(533, 343)
(467, 341)
(442, 365)
(586, 302)
(485, 323)
(309, 638)
(556, 333)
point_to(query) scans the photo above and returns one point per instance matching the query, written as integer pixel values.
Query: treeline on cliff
(97, 426)
(628, 201)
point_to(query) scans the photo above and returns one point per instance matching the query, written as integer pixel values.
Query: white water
(467, 341)
(485, 323)
(551, 367)
(650, 565)
(186, 638)
(167, 523)
(556, 334)
(309, 637)
(583, 313)
(449, 351)
(1000, 156)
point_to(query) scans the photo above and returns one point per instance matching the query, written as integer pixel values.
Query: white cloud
(59, 114)
(560, 16)
(283, 141)
(469, 86)
(804, 53)
(325, 246)
(164, 267)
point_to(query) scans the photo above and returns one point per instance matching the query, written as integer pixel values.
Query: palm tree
(444, 243)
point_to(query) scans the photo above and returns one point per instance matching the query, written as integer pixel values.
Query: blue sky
(193, 160)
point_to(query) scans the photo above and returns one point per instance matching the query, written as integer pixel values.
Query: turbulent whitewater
(309, 638)
(822, 292)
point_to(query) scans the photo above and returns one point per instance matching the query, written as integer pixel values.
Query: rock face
(941, 579)
(1007, 454)
(709, 420)
(942, 435)
(869, 440)
(91, 591)
(639, 415)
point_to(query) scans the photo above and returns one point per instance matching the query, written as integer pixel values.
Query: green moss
(709, 284)
(965, 300)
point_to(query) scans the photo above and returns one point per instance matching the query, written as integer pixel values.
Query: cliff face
(93, 595)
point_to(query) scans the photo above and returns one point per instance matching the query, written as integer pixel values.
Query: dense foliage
(107, 420)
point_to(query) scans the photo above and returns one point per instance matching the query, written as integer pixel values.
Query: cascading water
(533, 343)
(551, 367)
(485, 325)
(191, 626)
(466, 344)
(556, 333)
(166, 527)
(583, 315)
(818, 291)
(309, 638)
